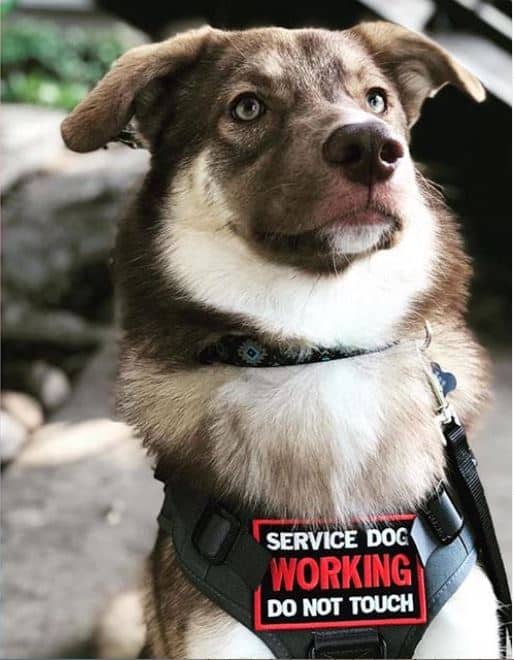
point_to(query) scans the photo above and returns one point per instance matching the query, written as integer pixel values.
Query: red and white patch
(327, 577)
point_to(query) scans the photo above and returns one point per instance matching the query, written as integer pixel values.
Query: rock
(23, 408)
(93, 388)
(50, 384)
(59, 219)
(60, 211)
(23, 322)
(59, 443)
(19, 136)
(13, 437)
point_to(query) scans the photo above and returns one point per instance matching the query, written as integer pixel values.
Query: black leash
(462, 465)
(464, 477)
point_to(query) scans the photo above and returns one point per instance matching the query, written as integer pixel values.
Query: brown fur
(174, 89)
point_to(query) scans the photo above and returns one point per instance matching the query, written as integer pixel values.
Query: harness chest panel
(416, 562)
(322, 577)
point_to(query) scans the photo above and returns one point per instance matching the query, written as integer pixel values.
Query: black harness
(218, 553)
(222, 559)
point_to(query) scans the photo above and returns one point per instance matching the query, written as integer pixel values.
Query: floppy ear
(419, 66)
(107, 109)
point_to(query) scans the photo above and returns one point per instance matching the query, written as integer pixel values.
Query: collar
(247, 351)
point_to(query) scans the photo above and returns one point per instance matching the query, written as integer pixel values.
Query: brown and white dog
(282, 202)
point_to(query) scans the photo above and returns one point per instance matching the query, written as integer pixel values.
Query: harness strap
(197, 526)
(222, 559)
(463, 472)
(446, 567)
(216, 535)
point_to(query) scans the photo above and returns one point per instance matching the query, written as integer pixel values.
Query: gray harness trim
(220, 557)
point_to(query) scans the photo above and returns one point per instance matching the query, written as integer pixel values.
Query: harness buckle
(350, 643)
(215, 533)
(442, 514)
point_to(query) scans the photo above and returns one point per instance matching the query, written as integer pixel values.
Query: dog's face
(293, 141)
(303, 145)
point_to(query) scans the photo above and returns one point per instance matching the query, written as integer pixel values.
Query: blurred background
(79, 502)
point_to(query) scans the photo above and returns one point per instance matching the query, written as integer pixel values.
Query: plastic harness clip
(443, 516)
(215, 533)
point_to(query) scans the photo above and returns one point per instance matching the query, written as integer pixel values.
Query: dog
(282, 203)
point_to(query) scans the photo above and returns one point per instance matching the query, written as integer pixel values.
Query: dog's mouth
(365, 217)
(359, 230)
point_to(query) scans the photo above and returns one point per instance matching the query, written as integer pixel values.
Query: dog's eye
(376, 100)
(247, 108)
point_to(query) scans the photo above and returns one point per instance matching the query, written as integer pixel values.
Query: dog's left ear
(419, 66)
(107, 109)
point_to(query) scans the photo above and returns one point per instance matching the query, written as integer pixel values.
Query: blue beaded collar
(246, 351)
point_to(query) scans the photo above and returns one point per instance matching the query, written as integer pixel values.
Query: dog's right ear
(108, 108)
(418, 65)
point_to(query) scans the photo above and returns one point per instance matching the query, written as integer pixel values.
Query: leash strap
(464, 475)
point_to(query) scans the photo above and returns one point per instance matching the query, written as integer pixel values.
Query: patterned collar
(246, 351)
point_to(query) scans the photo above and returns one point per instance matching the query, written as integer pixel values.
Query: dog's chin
(334, 245)
(353, 239)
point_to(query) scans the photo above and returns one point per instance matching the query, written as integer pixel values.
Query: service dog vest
(311, 590)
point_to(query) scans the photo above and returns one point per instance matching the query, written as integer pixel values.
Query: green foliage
(53, 66)
(6, 6)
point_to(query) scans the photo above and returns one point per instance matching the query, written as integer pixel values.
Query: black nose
(367, 152)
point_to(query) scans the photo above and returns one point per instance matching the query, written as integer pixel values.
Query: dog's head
(290, 147)
(299, 139)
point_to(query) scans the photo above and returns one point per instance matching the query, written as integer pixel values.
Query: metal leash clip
(445, 412)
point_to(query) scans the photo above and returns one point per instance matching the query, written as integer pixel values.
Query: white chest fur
(306, 409)
(320, 439)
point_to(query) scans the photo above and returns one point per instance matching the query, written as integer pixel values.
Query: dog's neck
(315, 440)
(352, 437)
